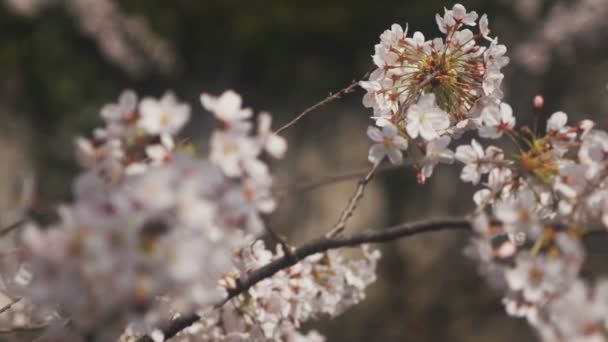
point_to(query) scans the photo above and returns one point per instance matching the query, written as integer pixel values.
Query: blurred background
(61, 60)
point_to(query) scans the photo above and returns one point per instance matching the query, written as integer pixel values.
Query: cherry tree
(163, 242)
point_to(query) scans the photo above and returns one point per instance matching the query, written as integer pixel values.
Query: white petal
(557, 121)
(465, 154)
(458, 11)
(400, 142)
(376, 153)
(395, 156)
(276, 146)
(389, 130)
(375, 134)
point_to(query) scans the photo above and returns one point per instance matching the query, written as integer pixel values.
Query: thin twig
(348, 211)
(9, 305)
(4, 231)
(285, 190)
(319, 246)
(332, 96)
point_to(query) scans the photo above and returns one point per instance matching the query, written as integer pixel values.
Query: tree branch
(331, 97)
(318, 246)
(348, 211)
(5, 230)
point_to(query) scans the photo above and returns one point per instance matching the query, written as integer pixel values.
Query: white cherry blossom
(496, 120)
(426, 119)
(166, 115)
(436, 152)
(387, 143)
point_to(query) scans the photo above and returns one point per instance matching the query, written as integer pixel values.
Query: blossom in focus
(477, 162)
(436, 152)
(426, 119)
(496, 120)
(387, 143)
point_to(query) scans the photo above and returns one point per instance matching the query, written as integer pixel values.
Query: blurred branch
(285, 190)
(348, 211)
(9, 305)
(4, 231)
(328, 99)
(319, 246)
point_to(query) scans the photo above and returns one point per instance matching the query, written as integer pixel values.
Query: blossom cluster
(534, 208)
(152, 231)
(424, 92)
(323, 283)
(530, 240)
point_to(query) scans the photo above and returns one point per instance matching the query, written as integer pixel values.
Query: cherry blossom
(388, 143)
(162, 116)
(426, 119)
(436, 152)
(496, 120)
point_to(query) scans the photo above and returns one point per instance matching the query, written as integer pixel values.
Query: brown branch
(318, 246)
(348, 211)
(331, 97)
(4, 231)
(9, 305)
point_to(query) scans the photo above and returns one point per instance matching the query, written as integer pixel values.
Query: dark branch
(318, 246)
(348, 211)
(332, 96)
(5, 230)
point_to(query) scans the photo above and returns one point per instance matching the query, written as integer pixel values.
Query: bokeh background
(61, 60)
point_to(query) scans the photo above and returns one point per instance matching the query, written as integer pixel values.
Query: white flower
(417, 40)
(519, 214)
(393, 36)
(535, 276)
(274, 144)
(229, 152)
(483, 26)
(163, 116)
(249, 200)
(388, 143)
(561, 135)
(460, 14)
(594, 148)
(425, 118)
(119, 115)
(472, 156)
(580, 313)
(497, 179)
(454, 18)
(476, 161)
(436, 152)
(556, 122)
(160, 153)
(227, 109)
(571, 181)
(496, 120)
